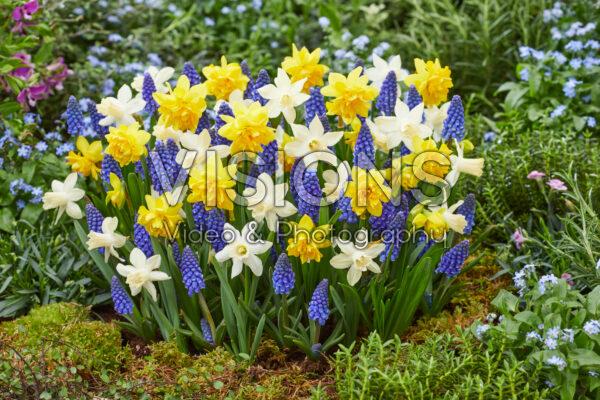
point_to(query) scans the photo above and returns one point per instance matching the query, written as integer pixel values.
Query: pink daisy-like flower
(556, 184)
(537, 175)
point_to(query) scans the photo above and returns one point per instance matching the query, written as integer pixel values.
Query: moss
(268, 388)
(64, 335)
(167, 353)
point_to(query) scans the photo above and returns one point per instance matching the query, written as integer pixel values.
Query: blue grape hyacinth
(283, 275)
(109, 165)
(318, 308)
(141, 238)
(413, 98)
(123, 304)
(206, 332)
(148, 90)
(386, 102)
(269, 158)
(176, 252)
(191, 73)
(193, 280)
(75, 124)
(364, 151)
(203, 123)
(94, 220)
(95, 118)
(309, 190)
(454, 124)
(467, 209)
(315, 105)
(453, 259)
(224, 109)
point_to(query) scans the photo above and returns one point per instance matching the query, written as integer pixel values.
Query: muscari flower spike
(269, 158)
(360, 63)
(123, 304)
(386, 102)
(206, 332)
(428, 243)
(283, 275)
(454, 124)
(75, 124)
(95, 117)
(261, 80)
(148, 89)
(382, 223)
(396, 228)
(318, 308)
(141, 238)
(109, 165)
(293, 190)
(364, 151)
(193, 280)
(343, 204)
(191, 73)
(413, 98)
(200, 216)
(453, 259)
(94, 220)
(467, 209)
(315, 105)
(215, 223)
(252, 175)
(249, 92)
(203, 123)
(326, 126)
(224, 109)
(176, 252)
(309, 189)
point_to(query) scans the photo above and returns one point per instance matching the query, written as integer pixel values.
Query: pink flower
(567, 277)
(25, 12)
(537, 175)
(556, 184)
(30, 95)
(23, 72)
(61, 71)
(519, 238)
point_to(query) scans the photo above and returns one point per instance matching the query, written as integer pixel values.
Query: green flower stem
(317, 334)
(207, 314)
(285, 312)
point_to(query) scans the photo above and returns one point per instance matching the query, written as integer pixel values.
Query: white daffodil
(159, 76)
(64, 196)
(267, 201)
(459, 164)
(107, 239)
(357, 260)
(164, 133)
(383, 140)
(243, 249)
(456, 222)
(312, 143)
(435, 117)
(142, 272)
(237, 96)
(284, 96)
(335, 181)
(196, 149)
(382, 68)
(403, 126)
(120, 110)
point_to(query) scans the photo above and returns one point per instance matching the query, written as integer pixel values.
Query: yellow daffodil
(212, 184)
(431, 81)
(352, 95)
(351, 136)
(430, 164)
(283, 139)
(368, 191)
(87, 161)
(127, 143)
(433, 222)
(117, 195)
(224, 79)
(305, 65)
(183, 106)
(159, 217)
(307, 240)
(248, 128)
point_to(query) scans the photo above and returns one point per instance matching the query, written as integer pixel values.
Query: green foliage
(444, 368)
(552, 327)
(43, 264)
(63, 332)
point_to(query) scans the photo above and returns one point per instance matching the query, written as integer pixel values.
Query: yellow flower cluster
(127, 144)
(86, 162)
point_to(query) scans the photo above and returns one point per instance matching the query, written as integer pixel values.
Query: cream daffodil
(312, 143)
(267, 201)
(404, 125)
(284, 96)
(456, 222)
(116, 196)
(142, 272)
(335, 181)
(435, 117)
(159, 76)
(357, 260)
(108, 239)
(64, 196)
(459, 164)
(242, 249)
(120, 110)
(164, 133)
(382, 68)
(196, 149)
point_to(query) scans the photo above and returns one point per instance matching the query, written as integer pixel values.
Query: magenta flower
(60, 73)
(567, 277)
(30, 95)
(24, 13)
(537, 175)
(519, 238)
(24, 72)
(556, 184)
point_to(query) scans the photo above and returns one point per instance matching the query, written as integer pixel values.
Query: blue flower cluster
(318, 308)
